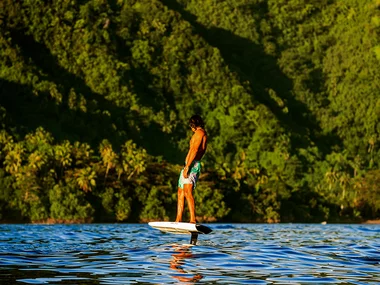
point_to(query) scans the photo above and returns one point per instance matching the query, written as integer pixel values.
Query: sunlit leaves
(377, 52)
(154, 207)
(133, 159)
(85, 179)
(288, 90)
(68, 205)
(109, 157)
(13, 158)
(210, 204)
(62, 154)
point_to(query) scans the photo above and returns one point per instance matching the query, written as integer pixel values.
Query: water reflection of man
(178, 260)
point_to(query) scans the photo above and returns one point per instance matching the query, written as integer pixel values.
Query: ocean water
(231, 254)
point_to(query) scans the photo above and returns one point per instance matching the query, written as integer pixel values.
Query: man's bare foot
(193, 222)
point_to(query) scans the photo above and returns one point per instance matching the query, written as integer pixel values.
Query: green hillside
(95, 98)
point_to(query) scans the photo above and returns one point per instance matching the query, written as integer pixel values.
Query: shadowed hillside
(95, 98)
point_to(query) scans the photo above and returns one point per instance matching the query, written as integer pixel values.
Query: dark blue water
(231, 254)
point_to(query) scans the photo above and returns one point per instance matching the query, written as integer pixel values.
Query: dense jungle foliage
(95, 98)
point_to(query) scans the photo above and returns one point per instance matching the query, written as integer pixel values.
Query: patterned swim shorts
(193, 175)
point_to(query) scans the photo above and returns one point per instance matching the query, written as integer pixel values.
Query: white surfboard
(180, 228)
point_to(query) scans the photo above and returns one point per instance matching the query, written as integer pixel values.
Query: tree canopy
(95, 97)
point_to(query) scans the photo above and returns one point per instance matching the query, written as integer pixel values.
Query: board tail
(203, 229)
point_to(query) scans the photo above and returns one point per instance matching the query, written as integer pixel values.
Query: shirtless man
(190, 173)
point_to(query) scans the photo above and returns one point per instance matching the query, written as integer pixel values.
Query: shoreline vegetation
(95, 97)
(64, 222)
(377, 222)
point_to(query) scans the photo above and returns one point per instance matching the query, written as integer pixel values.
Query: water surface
(231, 254)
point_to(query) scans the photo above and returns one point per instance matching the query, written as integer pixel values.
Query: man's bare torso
(202, 135)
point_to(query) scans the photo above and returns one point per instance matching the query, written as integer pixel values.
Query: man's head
(196, 121)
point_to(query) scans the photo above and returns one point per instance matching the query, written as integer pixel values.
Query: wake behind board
(182, 228)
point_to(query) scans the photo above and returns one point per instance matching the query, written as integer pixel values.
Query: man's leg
(180, 204)
(188, 189)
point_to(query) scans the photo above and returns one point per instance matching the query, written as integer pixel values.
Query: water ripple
(231, 254)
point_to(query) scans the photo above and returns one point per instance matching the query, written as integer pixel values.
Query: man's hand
(185, 172)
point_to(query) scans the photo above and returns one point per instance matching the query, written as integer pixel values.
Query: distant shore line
(61, 222)
(372, 222)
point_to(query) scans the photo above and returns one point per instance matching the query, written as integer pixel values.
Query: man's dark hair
(196, 121)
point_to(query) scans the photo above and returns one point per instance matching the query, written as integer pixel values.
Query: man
(190, 173)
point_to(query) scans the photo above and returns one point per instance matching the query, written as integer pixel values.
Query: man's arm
(194, 146)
